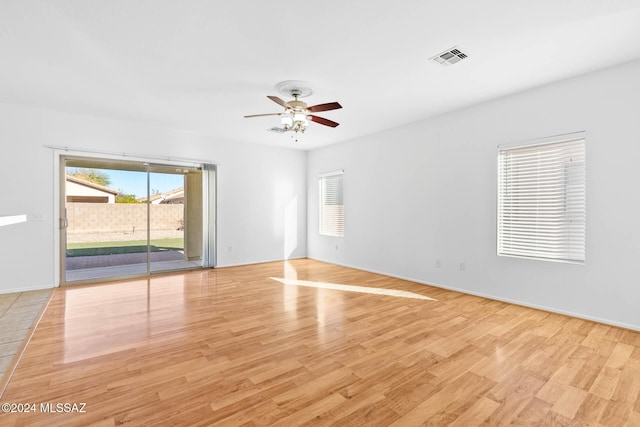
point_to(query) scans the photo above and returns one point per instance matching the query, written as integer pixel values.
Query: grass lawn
(123, 247)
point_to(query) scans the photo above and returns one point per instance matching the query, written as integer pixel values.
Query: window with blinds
(331, 204)
(541, 200)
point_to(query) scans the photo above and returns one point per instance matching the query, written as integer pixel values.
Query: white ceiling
(202, 65)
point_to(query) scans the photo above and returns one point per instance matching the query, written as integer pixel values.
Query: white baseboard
(258, 262)
(495, 298)
(26, 289)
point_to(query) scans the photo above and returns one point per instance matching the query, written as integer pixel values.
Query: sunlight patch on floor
(351, 288)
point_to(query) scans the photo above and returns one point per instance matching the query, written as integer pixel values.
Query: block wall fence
(122, 217)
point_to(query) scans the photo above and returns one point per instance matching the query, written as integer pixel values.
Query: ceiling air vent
(450, 56)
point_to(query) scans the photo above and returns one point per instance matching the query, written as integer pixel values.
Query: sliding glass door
(175, 217)
(125, 218)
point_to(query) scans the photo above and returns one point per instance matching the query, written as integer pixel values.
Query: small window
(331, 204)
(541, 200)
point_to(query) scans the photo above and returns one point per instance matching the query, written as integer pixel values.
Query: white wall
(261, 194)
(427, 191)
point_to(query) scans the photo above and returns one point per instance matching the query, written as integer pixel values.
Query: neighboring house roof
(90, 184)
(169, 195)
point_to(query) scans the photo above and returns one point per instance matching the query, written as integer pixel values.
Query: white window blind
(331, 204)
(541, 200)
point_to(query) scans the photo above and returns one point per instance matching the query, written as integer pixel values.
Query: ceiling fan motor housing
(297, 105)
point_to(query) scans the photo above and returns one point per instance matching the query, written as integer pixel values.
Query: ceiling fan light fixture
(299, 122)
(286, 121)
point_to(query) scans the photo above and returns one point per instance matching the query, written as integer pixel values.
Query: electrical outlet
(230, 248)
(38, 217)
(462, 266)
(438, 263)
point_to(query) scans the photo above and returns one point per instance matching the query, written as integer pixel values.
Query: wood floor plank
(477, 414)
(531, 415)
(513, 395)
(615, 414)
(351, 404)
(241, 346)
(455, 398)
(570, 401)
(591, 410)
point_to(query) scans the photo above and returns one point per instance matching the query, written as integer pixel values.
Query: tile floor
(17, 313)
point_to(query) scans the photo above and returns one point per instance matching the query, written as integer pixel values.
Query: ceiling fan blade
(279, 102)
(324, 107)
(323, 121)
(261, 115)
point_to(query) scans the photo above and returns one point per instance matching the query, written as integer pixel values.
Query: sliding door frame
(209, 207)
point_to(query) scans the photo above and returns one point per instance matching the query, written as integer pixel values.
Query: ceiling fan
(297, 114)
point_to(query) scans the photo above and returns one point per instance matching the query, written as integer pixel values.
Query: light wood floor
(235, 347)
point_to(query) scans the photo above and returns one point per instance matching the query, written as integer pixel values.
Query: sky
(130, 182)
